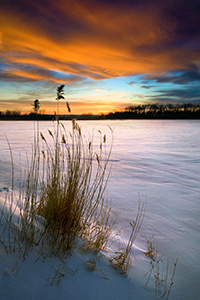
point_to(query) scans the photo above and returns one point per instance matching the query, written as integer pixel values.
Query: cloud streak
(181, 77)
(28, 73)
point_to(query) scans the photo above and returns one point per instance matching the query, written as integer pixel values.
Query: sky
(108, 54)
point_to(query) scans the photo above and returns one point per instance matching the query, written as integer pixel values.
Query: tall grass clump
(63, 195)
(72, 195)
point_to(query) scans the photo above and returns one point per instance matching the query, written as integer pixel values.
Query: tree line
(158, 111)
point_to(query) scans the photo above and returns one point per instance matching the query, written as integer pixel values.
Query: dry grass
(63, 195)
(62, 199)
(159, 272)
(72, 196)
(122, 258)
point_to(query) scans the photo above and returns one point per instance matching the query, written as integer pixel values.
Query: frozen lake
(155, 161)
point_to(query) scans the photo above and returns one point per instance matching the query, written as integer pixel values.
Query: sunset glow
(109, 54)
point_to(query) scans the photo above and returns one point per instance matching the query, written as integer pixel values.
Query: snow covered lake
(156, 162)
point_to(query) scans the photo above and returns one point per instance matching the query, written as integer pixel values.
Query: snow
(35, 277)
(28, 280)
(155, 161)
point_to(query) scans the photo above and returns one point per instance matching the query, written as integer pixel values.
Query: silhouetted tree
(36, 106)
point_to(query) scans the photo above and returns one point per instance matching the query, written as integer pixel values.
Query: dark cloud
(186, 15)
(183, 94)
(146, 87)
(182, 77)
(190, 95)
(7, 77)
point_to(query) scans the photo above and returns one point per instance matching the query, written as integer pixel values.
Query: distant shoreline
(185, 111)
(100, 118)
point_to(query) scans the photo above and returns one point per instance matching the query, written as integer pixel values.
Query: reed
(63, 196)
(159, 272)
(122, 258)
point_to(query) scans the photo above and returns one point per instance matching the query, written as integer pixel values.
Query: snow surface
(35, 277)
(156, 161)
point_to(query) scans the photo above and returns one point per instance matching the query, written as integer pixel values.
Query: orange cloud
(112, 42)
